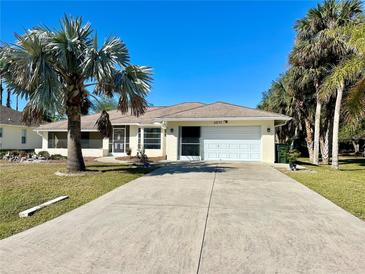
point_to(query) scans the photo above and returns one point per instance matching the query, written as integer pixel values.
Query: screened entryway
(190, 143)
(120, 140)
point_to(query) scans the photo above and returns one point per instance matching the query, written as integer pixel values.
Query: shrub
(58, 157)
(129, 151)
(44, 154)
(293, 156)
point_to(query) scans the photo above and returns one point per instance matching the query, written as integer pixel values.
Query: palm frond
(354, 106)
(348, 70)
(32, 115)
(133, 85)
(103, 124)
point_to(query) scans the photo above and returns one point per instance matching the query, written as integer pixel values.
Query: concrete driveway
(196, 218)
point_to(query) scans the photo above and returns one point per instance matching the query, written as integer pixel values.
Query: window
(57, 139)
(88, 140)
(152, 138)
(1, 132)
(24, 136)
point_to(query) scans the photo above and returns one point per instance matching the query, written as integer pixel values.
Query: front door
(190, 143)
(118, 140)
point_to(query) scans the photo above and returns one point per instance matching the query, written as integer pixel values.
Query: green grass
(344, 187)
(26, 185)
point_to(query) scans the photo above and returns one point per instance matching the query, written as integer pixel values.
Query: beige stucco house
(186, 131)
(14, 135)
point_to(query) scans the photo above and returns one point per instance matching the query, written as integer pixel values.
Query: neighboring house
(14, 135)
(186, 131)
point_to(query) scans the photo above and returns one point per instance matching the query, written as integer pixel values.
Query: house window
(57, 139)
(152, 138)
(24, 136)
(1, 132)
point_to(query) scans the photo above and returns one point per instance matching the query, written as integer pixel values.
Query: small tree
(52, 70)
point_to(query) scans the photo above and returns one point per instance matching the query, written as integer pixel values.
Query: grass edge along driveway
(26, 185)
(344, 187)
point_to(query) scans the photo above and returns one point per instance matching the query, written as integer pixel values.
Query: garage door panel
(231, 143)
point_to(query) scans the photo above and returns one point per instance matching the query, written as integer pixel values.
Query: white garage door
(231, 143)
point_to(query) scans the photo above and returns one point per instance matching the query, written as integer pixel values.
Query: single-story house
(186, 131)
(14, 135)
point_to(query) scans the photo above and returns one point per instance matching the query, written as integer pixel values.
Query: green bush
(44, 154)
(293, 156)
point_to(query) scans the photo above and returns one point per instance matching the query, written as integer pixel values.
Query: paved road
(205, 218)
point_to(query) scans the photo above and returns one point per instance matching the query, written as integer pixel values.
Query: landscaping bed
(26, 185)
(344, 187)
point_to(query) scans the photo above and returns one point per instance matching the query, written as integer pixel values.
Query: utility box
(281, 154)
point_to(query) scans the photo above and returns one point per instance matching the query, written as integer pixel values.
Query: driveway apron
(196, 218)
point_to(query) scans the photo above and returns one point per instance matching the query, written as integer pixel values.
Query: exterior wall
(267, 138)
(12, 136)
(86, 152)
(133, 139)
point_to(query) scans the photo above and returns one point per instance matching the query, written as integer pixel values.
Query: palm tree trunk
(356, 146)
(17, 103)
(325, 144)
(8, 103)
(317, 125)
(336, 125)
(75, 161)
(309, 137)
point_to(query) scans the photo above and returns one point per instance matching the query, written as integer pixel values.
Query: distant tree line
(324, 88)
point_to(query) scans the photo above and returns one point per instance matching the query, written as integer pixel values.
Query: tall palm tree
(53, 70)
(350, 70)
(318, 52)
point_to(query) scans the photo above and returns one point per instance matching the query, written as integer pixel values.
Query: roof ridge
(11, 109)
(129, 115)
(256, 109)
(204, 105)
(165, 107)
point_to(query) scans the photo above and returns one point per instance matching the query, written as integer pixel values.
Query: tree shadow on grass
(359, 160)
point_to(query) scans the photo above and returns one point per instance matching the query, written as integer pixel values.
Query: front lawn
(344, 187)
(26, 185)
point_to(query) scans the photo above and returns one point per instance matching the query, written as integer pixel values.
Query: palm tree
(350, 70)
(53, 70)
(285, 96)
(317, 52)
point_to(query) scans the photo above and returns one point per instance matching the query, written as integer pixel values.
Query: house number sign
(220, 122)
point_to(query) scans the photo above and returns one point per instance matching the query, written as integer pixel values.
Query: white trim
(225, 118)
(65, 130)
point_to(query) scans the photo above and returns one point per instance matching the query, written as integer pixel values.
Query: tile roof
(190, 111)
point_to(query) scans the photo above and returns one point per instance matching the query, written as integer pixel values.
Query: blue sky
(200, 51)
